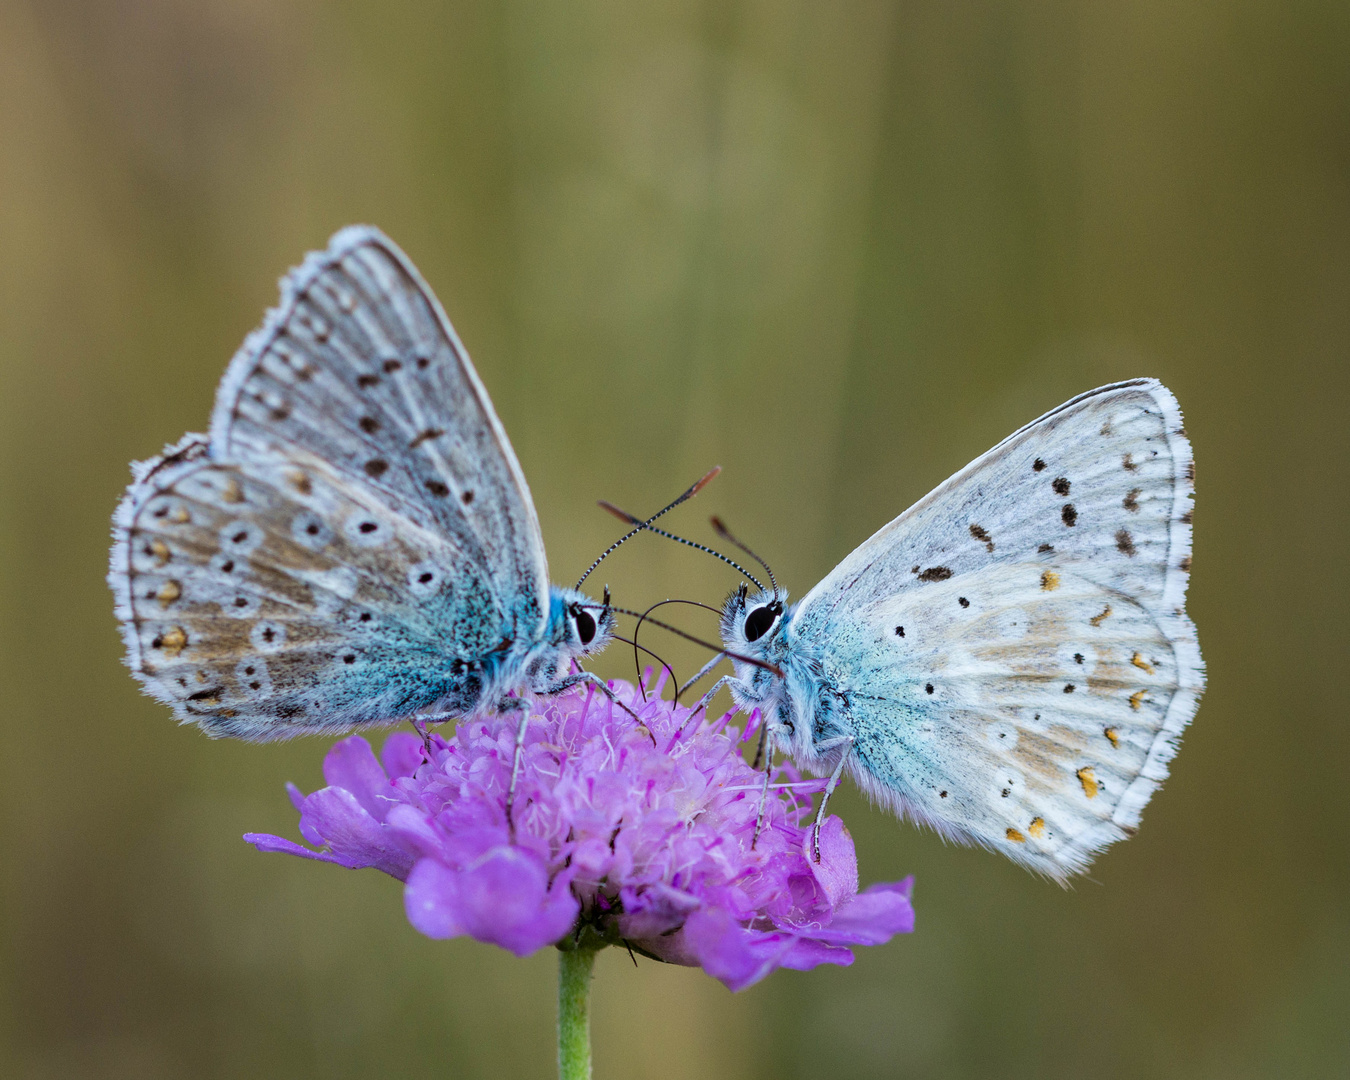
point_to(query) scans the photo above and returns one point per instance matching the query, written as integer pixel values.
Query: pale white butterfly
(353, 542)
(1009, 661)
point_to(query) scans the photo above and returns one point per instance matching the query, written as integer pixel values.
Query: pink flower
(620, 838)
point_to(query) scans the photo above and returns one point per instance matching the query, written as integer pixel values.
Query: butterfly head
(752, 623)
(577, 624)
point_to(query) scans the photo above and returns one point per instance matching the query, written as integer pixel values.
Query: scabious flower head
(626, 834)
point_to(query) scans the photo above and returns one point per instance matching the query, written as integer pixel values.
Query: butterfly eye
(761, 620)
(585, 625)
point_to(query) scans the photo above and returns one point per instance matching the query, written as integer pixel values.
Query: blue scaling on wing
(1009, 661)
(353, 542)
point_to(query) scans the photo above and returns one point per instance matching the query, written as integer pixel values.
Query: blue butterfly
(353, 541)
(1009, 661)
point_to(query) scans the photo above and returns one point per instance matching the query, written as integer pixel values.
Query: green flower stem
(574, 1013)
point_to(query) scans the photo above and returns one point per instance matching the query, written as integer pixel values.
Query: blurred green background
(839, 249)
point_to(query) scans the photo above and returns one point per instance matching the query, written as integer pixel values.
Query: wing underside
(1014, 649)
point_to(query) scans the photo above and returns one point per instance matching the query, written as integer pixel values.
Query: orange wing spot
(168, 593)
(1142, 664)
(1136, 699)
(1049, 581)
(1088, 781)
(1016, 836)
(172, 641)
(1111, 734)
(1037, 827)
(300, 482)
(1097, 620)
(233, 493)
(160, 550)
(180, 516)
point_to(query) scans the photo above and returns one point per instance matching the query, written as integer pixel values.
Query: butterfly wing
(1013, 651)
(263, 600)
(353, 412)
(360, 367)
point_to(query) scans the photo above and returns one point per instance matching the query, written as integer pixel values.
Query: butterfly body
(353, 542)
(1009, 661)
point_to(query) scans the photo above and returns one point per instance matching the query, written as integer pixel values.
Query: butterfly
(353, 541)
(1009, 661)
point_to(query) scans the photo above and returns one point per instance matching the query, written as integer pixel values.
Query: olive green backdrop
(839, 249)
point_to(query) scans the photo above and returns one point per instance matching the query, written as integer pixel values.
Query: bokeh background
(839, 249)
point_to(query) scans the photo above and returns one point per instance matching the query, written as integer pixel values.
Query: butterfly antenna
(638, 629)
(696, 640)
(624, 515)
(707, 479)
(725, 534)
(637, 663)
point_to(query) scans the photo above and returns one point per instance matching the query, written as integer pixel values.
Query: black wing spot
(1078, 658)
(942, 794)
(928, 689)
(1046, 549)
(437, 488)
(423, 436)
(1125, 542)
(364, 617)
(1005, 792)
(936, 573)
(466, 498)
(203, 695)
(1131, 501)
(391, 366)
(368, 526)
(899, 631)
(1069, 688)
(425, 577)
(350, 658)
(963, 601)
(1038, 464)
(281, 412)
(227, 567)
(1061, 485)
(365, 382)
(981, 535)
(369, 424)
(376, 467)
(1069, 515)
(423, 363)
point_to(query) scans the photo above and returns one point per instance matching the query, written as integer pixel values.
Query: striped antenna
(624, 515)
(725, 534)
(707, 479)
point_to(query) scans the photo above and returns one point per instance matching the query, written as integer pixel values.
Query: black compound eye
(760, 621)
(585, 625)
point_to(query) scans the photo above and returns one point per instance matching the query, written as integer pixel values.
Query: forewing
(1026, 711)
(360, 367)
(267, 599)
(1089, 506)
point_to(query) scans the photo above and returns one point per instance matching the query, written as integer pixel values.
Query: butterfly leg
(766, 749)
(846, 741)
(515, 705)
(701, 672)
(725, 680)
(592, 679)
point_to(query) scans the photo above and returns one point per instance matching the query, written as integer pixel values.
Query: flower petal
(279, 844)
(349, 831)
(502, 899)
(837, 871)
(402, 754)
(351, 765)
